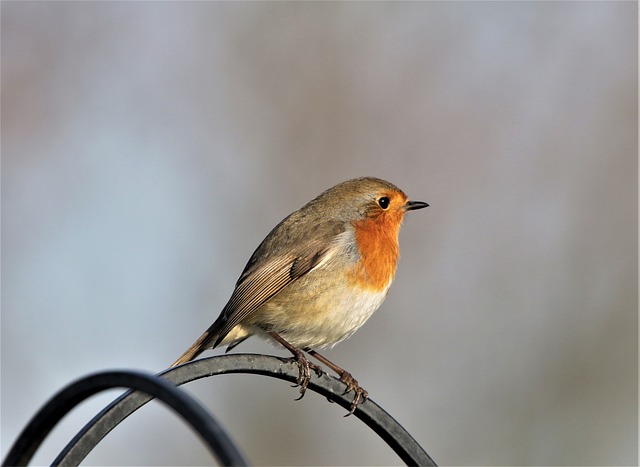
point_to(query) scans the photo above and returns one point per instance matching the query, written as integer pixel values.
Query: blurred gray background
(147, 148)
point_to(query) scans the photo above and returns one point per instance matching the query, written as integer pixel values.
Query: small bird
(317, 277)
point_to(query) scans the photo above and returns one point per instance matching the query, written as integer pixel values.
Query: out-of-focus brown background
(147, 148)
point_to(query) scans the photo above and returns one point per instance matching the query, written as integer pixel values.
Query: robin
(317, 277)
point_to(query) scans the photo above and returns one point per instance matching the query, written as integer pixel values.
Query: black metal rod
(282, 368)
(186, 406)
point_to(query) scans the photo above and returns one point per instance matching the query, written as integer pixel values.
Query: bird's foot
(304, 375)
(360, 394)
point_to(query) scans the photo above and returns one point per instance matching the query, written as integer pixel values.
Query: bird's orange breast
(377, 240)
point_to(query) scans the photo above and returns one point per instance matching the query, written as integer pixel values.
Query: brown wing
(260, 284)
(273, 266)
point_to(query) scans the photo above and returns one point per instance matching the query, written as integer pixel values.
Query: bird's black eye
(384, 202)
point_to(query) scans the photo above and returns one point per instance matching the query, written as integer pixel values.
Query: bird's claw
(360, 394)
(304, 375)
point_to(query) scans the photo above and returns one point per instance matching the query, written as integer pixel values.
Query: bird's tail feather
(199, 346)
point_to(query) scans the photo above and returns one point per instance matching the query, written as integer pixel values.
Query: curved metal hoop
(64, 401)
(282, 368)
(148, 387)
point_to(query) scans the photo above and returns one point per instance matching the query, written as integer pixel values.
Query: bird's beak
(413, 205)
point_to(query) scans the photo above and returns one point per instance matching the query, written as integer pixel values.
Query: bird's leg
(304, 365)
(361, 395)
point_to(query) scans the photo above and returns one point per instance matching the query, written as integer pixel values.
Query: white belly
(339, 322)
